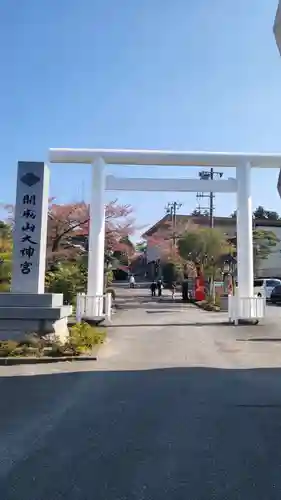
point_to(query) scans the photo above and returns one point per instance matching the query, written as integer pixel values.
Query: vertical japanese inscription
(30, 231)
(28, 244)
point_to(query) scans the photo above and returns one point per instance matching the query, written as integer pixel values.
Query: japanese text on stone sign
(27, 231)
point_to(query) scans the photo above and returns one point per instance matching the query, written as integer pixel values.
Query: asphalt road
(177, 408)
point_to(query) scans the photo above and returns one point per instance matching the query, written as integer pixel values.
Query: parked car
(276, 295)
(265, 286)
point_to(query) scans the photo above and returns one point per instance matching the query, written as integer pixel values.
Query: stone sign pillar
(27, 309)
(30, 231)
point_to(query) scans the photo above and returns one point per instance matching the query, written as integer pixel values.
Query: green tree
(261, 213)
(124, 252)
(141, 246)
(263, 244)
(205, 247)
(6, 247)
(198, 212)
(172, 272)
(67, 278)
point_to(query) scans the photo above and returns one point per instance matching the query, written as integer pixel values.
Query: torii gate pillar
(244, 232)
(96, 236)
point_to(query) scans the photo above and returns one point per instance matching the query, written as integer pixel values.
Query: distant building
(270, 267)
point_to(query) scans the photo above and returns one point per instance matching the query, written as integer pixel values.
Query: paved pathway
(177, 408)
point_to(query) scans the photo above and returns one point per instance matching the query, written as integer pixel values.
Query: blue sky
(154, 74)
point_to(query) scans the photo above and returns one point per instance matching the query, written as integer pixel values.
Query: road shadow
(162, 311)
(261, 339)
(156, 325)
(126, 306)
(162, 434)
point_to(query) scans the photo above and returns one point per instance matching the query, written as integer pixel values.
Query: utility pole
(212, 200)
(172, 209)
(208, 210)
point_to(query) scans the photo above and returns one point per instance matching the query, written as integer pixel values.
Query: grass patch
(83, 339)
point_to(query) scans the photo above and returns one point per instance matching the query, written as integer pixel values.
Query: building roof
(219, 222)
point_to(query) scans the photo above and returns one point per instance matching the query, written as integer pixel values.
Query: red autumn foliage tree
(68, 228)
(65, 222)
(165, 240)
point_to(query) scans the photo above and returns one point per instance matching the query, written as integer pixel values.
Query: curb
(9, 361)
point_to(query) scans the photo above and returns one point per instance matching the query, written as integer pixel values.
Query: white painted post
(230, 308)
(244, 232)
(80, 306)
(30, 230)
(108, 303)
(96, 235)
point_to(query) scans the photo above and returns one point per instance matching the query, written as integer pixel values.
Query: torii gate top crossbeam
(169, 158)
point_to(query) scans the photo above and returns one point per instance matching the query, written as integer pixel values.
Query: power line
(210, 208)
(172, 208)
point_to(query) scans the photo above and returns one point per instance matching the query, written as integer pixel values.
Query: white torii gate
(241, 185)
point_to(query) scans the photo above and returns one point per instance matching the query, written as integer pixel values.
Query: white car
(263, 286)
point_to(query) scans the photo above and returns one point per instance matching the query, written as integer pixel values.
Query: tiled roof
(219, 222)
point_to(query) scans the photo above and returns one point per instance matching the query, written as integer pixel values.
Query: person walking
(185, 290)
(153, 287)
(159, 287)
(132, 281)
(173, 290)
